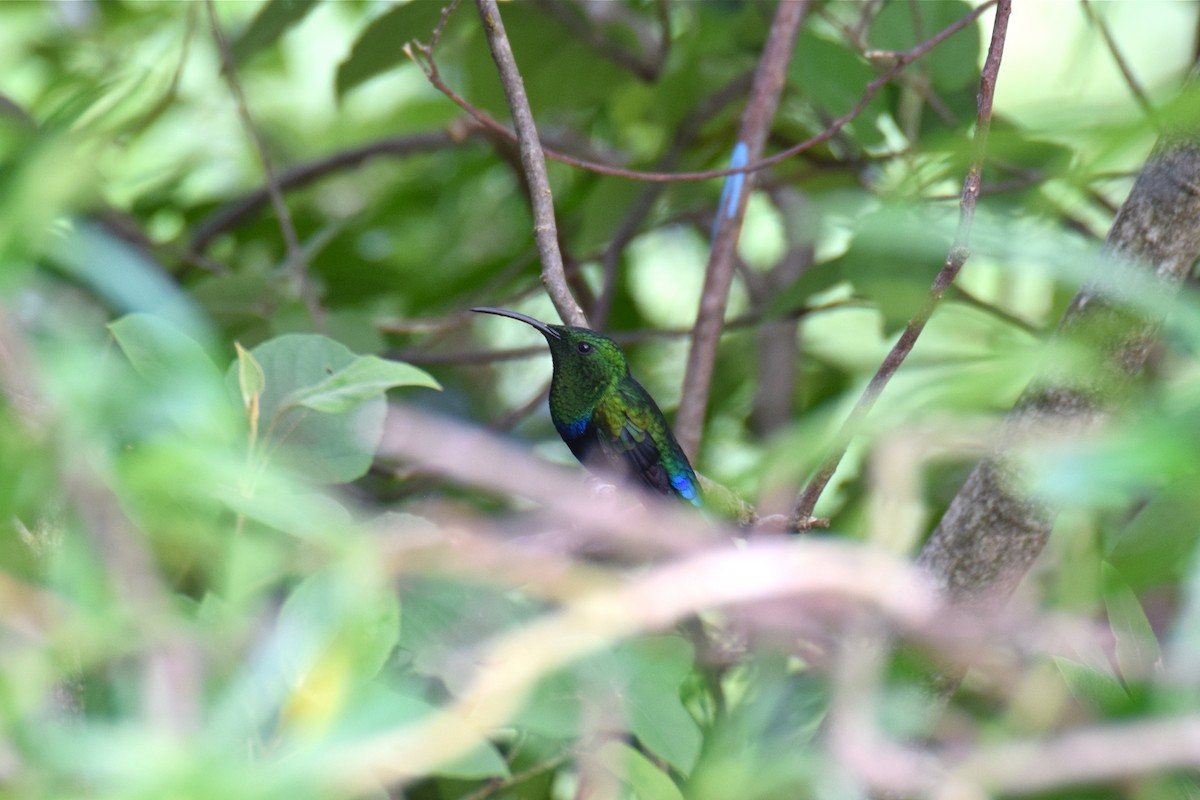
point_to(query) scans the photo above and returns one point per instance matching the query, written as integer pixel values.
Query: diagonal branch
(237, 211)
(959, 251)
(710, 318)
(545, 229)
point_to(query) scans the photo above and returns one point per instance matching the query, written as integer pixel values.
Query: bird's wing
(630, 445)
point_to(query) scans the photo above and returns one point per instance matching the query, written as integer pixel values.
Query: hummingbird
(610, 422)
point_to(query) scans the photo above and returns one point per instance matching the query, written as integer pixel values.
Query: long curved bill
(528, 320)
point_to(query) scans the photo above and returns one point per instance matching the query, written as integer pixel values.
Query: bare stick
(545, 230)
(297, 264)
(959, 251)
(710, 319)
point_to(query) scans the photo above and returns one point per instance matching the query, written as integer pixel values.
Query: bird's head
(582, 357)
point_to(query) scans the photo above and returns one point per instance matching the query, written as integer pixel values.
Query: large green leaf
(656, 667)
(332, 448)
(366, 377)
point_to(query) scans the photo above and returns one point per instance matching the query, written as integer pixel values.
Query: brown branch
(991, 533)
(545, 230)
(769, 81)
(422, 56)
(959, 251)
(238, 211)
(297, 263)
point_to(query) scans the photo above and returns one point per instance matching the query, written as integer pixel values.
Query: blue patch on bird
(575, 429)
(686, 489)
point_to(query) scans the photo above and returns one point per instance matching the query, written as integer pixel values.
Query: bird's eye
(584, 348)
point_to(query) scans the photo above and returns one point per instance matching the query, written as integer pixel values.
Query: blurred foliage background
(213, 583)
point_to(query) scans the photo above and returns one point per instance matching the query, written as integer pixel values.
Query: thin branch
(769, 81)
(577, 22)
(422, 56)
(1135, 87)
(750, 320)
(238, 211)
(959, 251)
(545, 230)
(297, 264)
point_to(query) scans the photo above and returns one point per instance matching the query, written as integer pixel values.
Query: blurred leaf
(953, 63)
(646, 673)
(271, 22)
(831, 77)
(366, 377)
(1138, 653)
(645, 780)
(185, 379)
(1157, 545)
(308, 515)
(380, 46)
(333, 447)
(1102, 693)
(384, 709)
(124, 277)
(656, 667)
(337, 612)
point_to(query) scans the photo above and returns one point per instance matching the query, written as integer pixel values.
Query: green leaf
(953, 63)
(1137, 647)
(124, 277)
(366, 377)
(186, 381)
(331, 448)
(332, 610)
(251, 379)
(380, 46)
(1157, 545)
(646, 780)
(1101, 692)
(658, 666)
(271, 22)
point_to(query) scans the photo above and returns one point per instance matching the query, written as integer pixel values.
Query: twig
(422, 56)
(710, 318)
(959, 251)
(572, 19)
(545, 230)
(750, 320)
(238, 211)
(1135, 87)
(296, 262)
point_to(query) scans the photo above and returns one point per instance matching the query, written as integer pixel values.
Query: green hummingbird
(608, 420)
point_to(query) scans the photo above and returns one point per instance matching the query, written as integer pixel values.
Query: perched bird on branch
(611, 423)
